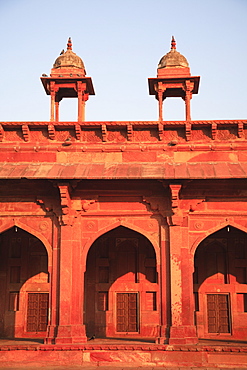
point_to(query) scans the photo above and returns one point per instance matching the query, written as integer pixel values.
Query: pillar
(164, 284)
(81, 108)
(57, 111)
(70, 328)
(183, 330)
(82, 98)
(54, 290)
(188, 96)
(187, 106)
(52, 118)
(160, 98)
(78, 273)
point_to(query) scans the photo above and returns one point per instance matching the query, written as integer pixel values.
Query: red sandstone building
(123, 229)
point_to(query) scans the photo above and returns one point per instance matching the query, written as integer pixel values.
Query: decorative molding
(198, 225)
(1, 133)
(123, 123)
(129, 132)
(156, 204)
(25, 132)
(240, 130)
(177, 216)
(134, 241)
(86, 203)
(214, 130)
(78, 132)
(65, 199)
(188, 131)
(104, 132)
(160, 131)
(195, 203)
(44, 205)
(51, 131)
(175, 189)
(140, 130)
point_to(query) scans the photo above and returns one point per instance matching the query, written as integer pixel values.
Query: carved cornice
(98, 124)
(215, 130)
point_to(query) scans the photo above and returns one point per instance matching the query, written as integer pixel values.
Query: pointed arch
(16, 223)
(213, 230)
(24, 260)
(121, 285)
(128, 225)
(220, 281)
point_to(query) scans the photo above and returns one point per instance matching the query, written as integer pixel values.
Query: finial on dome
(173, 43)
(69, 44)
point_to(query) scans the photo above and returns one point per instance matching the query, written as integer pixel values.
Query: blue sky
(121, 43)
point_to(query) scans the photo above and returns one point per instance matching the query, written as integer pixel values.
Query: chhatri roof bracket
(174, 80)
(68, 80)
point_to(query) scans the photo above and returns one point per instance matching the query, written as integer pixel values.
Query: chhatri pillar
(174, 80)
(68, 80)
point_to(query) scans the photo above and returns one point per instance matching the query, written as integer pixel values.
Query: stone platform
(118, 353)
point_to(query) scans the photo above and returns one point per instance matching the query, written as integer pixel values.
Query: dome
(68, 59)
(173, 59)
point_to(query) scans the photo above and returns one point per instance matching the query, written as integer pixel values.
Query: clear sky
(121, 43)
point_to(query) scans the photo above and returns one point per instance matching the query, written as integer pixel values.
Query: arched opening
(121, 289)
(220, 284)
(24, 285)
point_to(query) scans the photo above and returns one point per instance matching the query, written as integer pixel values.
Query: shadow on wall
(23, 268)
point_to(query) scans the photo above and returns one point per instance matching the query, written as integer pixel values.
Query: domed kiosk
(173, 80)
(68, 61)
(173, 63)
(68, 80)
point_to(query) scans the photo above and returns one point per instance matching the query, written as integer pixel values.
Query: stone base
(66, 335)
(30, 356)
(183, 335)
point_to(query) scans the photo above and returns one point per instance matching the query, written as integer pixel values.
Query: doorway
(218, 313)
(127, 312)
(37, 312)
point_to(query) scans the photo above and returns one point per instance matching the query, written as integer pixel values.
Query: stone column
(52, 119)
(70, 328)
(183, 330)
(70, 321)
(187, 106)
(77, 298)
(160, 98)
(82, 98)
(160, 88)
(54, 289)
(53, 96)
(57, 111)
(81, 108)
(164, 284)
(65, 287)
(188, 96)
